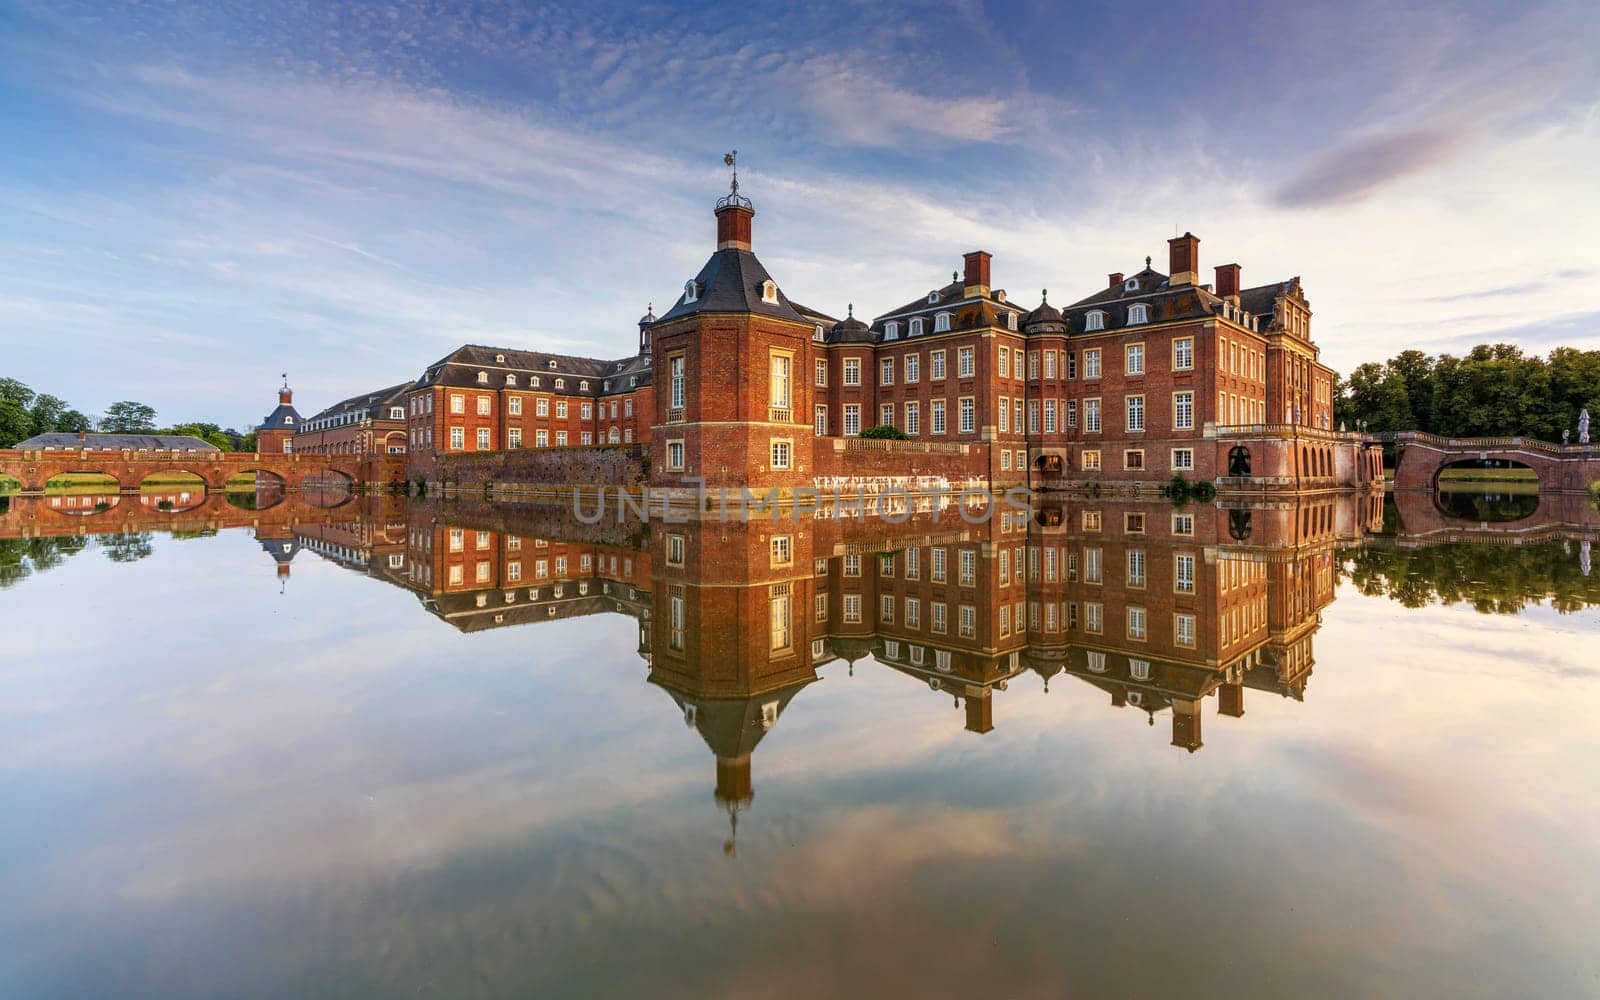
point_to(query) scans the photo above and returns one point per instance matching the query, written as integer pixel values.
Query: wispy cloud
(1358, 169)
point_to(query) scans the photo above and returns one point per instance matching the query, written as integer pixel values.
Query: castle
(1149, 377)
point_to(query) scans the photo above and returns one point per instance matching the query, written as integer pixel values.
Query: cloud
(1356, 170)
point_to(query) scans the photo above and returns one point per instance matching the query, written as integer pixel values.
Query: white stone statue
(1583, 558)
(1583, 426)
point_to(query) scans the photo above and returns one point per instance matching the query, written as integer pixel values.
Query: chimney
(1228, 281)
(1184, 256)
(977, 281)
(83, 437)
(1114, 279)
(285, 396)
(733, 224)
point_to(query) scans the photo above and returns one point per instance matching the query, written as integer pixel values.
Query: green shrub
(885, 432)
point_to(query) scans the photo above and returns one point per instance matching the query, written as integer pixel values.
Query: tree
(209, 433)
(129, 417)
(46, 413)
(885, 432)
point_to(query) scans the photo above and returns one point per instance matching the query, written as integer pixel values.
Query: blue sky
(196, 197)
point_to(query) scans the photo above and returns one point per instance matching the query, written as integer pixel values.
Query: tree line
(1494, 391)
(25, 413)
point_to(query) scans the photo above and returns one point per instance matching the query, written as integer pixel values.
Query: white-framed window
(939, 624)
(514, 437)
(966, 414)
(1134, 406)
(852, 371)
(852, 609)
(1011, 321)
(541, 407)
(913, 612)
(941, 322)
(1050, 365)
(1183, 354)
(820, 375)
(820, 423)
(782, 550)
(1091, 416)
(1183, 573)
(483, 378)
(1005, 362)
(1133, 458)
(1133, 359)
(1183, 629)
(936, 369)
(1094, 622)
(1183, 411)
(561, 409)
(782, 452)
(1137, 571)
(967, 621)
(514, 406)
(458, 403)
(691, 293)
(891, 330)
(1182, 459)
(541, 438)
(1004, 414)
(1095, 320)
(852, 419)
(675, 456)
(886, 371)
(969, 567)
(1091, 363)
(913, 365)
(938, 417)
(1138, 313)
(916, 326)
(676, 365)
(1183, 524)
(1137, 624)
(769, 291)
(886, 414)
(819, 335)
(458, 438)
(966, 362)
(397, 413)
(937, 565)
(1049, 416)
(780, 385)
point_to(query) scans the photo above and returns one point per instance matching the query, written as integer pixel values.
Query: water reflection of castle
(1160, 608)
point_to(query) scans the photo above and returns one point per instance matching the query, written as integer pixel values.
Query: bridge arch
(177, 490)
(256, 489)
(1487, 463)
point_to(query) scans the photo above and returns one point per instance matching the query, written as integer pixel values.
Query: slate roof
(284, 418)
(67, 441)
(393, 395)
(461, 367)
(732, 727)
(730, 282)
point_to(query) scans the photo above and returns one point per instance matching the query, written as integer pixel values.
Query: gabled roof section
(1149, 280)
(284, 418)
(730, 282)
(393, 395)
(460, 369)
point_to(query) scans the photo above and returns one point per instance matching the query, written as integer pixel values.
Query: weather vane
(730, 159)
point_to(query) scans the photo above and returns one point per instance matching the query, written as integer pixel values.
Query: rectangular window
(1183, 411)
(852, 608)
(1005, 362)
(483, 406)
(782, 550)
(967, 412)
(820, 604)
(822, 372)
(1183, 354)
(1133, 522)
(514, 437)
(561, 439)
(1136, 568)
(780, 454)
(886, 414)
(1091, 461)
(1049, 416)
(1033, 416)
(458, 438)
(969, 567)
(938, 566)
(1005, 460)
(913, 419)
(1091, 416)
(1033, 366)
(1183, 459)
(561, 409)
(778, 619)
(938, 416)
(968, 621)
(936, 365)
(1133, 458)
(1183, 524)
(541, 438)
(821, 423)
(1133, 358)
(483, 439)
(1091, 363)
(541, 407)
(966, 363)
(779, 386)
(852, 419)
(586, 411)
(913, 613)
(886, 371)
(458, 403)
(1136, 624)
(1072, 365)
(514, 404)
(1050, 365)
(886, 608)
(1005, 415)
(913, 364)
(1183, 574)
(1183, 629)
(1091, 566)
(675, 456)
(1072, 413)
(939, 624)
(852, 371)
(1135, 413)
(1093, 621)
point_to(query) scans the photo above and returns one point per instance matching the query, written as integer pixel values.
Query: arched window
(510, 379)
(941, 323)
(691, 291)
(1239, 461)
(583, 386)
(1239, 527)
(933, 297)
(1131, 285)
(916, 326)
(769, 291)
(817, 334)
(891, 330)
(1011, 321)
(483, 378)
(499, 359)
(1139, 313)
(1095, 320)
(561, 383)
(551, 365)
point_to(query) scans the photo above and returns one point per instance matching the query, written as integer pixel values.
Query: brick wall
(601, 465)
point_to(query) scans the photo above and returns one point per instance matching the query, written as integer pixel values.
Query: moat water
(1329, 747)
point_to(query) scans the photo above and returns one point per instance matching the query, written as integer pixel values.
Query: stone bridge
(1423, 522)
(1420, 457)
(33, 469)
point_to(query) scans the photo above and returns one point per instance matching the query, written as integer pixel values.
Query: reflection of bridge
(33, 469)
(1559, 516)
(34, 516)
(1420, 457)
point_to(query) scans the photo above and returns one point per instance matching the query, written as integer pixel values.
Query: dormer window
(499, 359)
(769, 291)
(561, 383)
(605, 386)
(691, 292)
(916, 327)
(534, 381)
(551, 365)
(510, 379)
(583, 386)
(288, 420)
(1139, 313)
(941, 323)
(1000, 295)
(1011, 321)
(633, 380)
(817, 334)
(1131, 285)
(1096, 320)
(891, 331)
(933, 297)
(483, 378)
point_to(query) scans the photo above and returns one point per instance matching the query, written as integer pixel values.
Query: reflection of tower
(280, 544)
(729, 637)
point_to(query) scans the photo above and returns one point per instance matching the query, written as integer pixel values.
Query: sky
(197, 197)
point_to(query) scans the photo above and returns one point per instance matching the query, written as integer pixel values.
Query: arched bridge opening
(256, 489)
(1485, 471)
(172, 491)
(81, 493)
